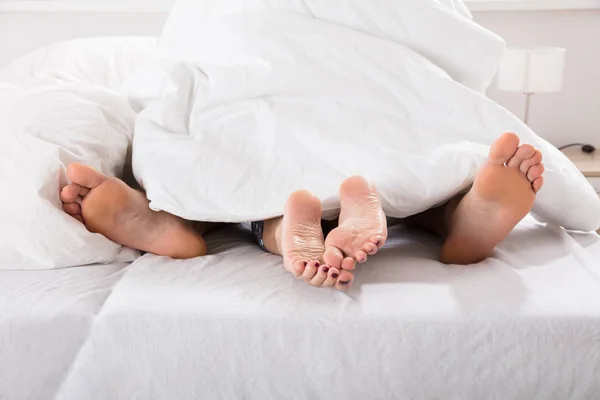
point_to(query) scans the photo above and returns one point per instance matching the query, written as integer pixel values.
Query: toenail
(326, 269)
(335, 276)
(317, 265)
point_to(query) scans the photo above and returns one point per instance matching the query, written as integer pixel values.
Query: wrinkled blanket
(253, 100)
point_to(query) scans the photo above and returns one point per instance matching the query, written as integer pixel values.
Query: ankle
(272, 235)
(448, 215)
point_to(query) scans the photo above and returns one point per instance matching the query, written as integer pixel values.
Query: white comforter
(253, 100)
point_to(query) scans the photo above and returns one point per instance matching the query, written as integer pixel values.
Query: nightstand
(588, 164)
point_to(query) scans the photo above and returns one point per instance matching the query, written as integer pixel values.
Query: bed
(235, 324)
(523, 324)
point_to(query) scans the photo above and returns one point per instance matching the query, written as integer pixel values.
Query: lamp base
(527, 107)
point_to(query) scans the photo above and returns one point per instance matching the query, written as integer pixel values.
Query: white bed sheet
(45, 318)
(522, 325)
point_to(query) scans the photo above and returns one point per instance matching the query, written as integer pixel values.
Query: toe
(332, 277)
(348, 264)
(310, 271)
(333, 257)
(534, 160)
(344, 281)
(85, 176)
(378, 240)
(370, 248)
(320, 277)
(72, 208)
(78, 217)
(523, 153)
(71, 192)
(504, 148)
(537, 184)
(361, 256)
(535, 172)
(298, 268)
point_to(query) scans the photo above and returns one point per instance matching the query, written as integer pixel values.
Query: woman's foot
(298, 237)
(362, 228)
(106, 205)
(502, 195)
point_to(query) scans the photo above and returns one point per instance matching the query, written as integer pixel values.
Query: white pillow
(442, 31)
(46, 125)
(99, 61)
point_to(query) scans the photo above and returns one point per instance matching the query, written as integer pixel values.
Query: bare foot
(298, 237)
(362, 228)
(502, 195)
(108, 206)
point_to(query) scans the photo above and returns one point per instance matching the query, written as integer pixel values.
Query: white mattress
(522, 325)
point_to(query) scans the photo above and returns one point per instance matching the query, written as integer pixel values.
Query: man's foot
(106, 205)
(502, 195)
(299, 239)
(362, 228)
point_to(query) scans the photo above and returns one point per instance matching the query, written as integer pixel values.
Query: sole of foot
(503, 193)
(302, 243)
(362, 228)
(106, 205)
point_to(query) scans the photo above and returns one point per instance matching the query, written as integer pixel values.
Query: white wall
(23, 32)
(573, 115)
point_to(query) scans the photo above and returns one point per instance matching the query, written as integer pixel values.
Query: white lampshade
(532, 70)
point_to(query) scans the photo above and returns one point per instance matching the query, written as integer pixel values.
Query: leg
(298, 237)
(435, 220)
(106, 205)
(362, 226)
(204, 228)
(502, 195)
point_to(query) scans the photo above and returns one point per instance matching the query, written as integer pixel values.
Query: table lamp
(532, 70)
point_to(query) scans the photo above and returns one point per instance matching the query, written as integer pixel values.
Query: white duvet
(255, 99)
